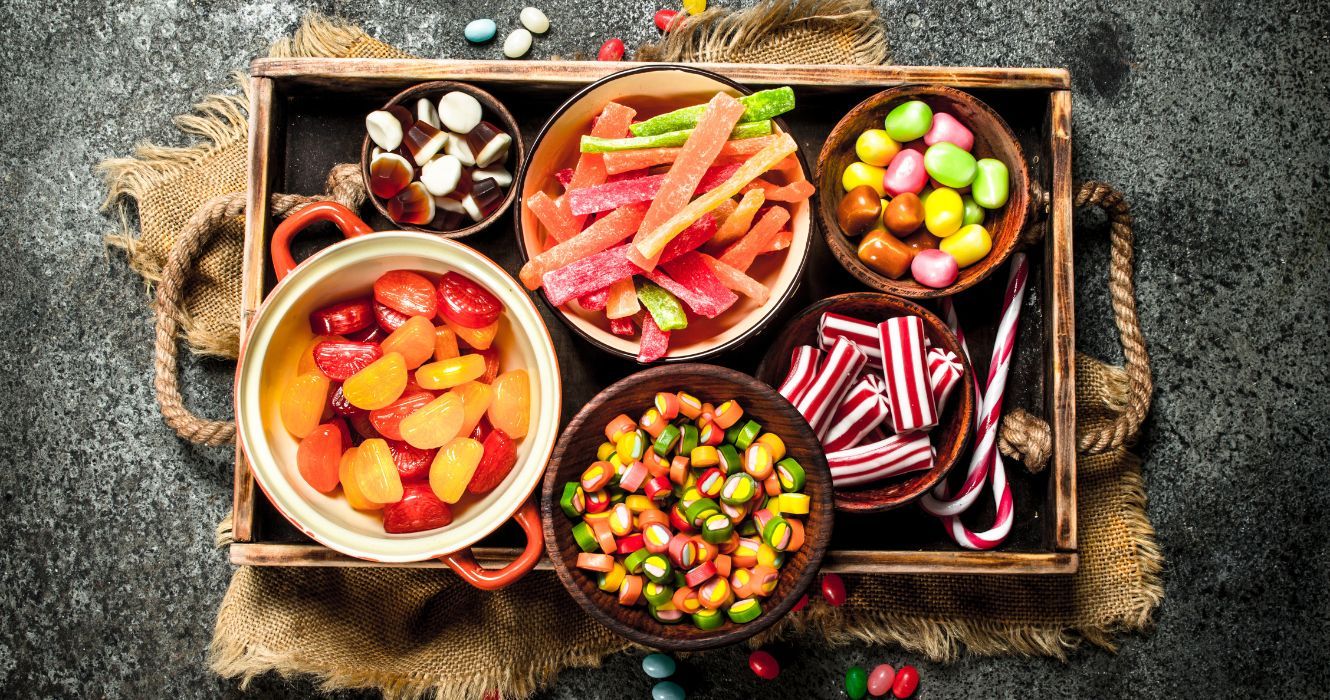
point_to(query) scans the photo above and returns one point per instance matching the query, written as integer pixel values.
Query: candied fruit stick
(689, 278)
(723, 212)
(739, 222)
(612, 195)
(642, 158)
(564, 176)
(741, 255)
(649, 241)
(623, 326)
(621, 302)
(796, 191)
(607, 231)
(592, 144)
(761, 105)
(655, 342)
(662, 307)
(613, 123)
(595, 301)
(558, 222)
(738, 281)
(783, 240)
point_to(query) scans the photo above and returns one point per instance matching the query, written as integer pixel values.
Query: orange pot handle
(346, 220)
(486, 579)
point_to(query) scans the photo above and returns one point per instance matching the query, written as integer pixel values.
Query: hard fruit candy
(943, 211)
(968, 245)
(950, 129)
(905, 174)
(934, 268)
(875, 147)
(909, 121)
(658, 666)
(991, 183)
(949, 164)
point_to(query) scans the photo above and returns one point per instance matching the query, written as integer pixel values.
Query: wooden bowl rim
(964, 403)
(816, 472)
(488, 102)
(773, 306)
(837, 242)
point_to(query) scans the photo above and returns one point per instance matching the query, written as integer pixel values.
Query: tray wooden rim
(351, 74)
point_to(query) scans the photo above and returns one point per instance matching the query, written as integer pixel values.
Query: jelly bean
(466, 303)
(859, 210)
(874, 147)
(415, 340)
(856, 682)
(973, 213)
(668, 690)
(409, 292)
(885, 254)
(453, 468)
(534, 20)
(446, 374)
(857, 174)
(499, 458)
(833, 589)
(478, 338)
(376, 473)
(510, 410)
(695, 7)
(880, 680)
(943, 211)
(991, 183)
(905, 174)
(303, 402)
(476, 398)
(435, 424)
(764, 665)
(907, 681)
(517, 43)
(950, 129)
(934, 268)
(904, 214)
(969, 245)
(479, 30)
(665, 19)
(908, 121)
(445, 343)
(379, 384)
(658, 666)
(949, 165)
(319, 457)
(611, 50)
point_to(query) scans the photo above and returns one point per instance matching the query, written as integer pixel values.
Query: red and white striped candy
(944, 374)
(803, 367)
(861, 333)
(832, 381)
(896, 455)
(905, 369)
(863, 409)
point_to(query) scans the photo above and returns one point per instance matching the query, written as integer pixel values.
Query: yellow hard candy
(874, 147)
(858, 173)
(969, 245)
(943, 212)
(695, 7)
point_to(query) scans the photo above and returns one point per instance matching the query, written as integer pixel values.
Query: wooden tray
(307, 115)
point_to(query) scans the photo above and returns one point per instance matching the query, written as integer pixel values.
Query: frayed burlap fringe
(777, 31)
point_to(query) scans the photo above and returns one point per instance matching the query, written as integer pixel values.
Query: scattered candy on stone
(480, 30)
(517, 43)
(991, 183)
(969, 245)
(876, 148)
(949, 164)
(695, 7)
(833, 590)
(934, 268)
(658, 666)
(909, 121)
(880, 680)
(534, 20)
(668, 690)
(856, 682)
(943, 212)
(664, 19)
(907, 681)
(611, 50)
(764, 665)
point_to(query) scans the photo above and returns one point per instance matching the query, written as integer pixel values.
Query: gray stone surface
(1212, 116)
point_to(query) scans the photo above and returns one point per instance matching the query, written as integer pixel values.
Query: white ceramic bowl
(272, 349)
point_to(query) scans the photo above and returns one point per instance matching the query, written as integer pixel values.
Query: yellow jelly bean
(435, 423)
(510, 411)
(857, 174)
(376, 474)
(695, 7)
(874, 147)
(453, 468)
(969, 245)
(446, 374)
(943, 212)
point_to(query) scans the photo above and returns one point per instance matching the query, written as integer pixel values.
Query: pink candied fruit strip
(655, 342)
(605, 232)
(622, 326)
(611, 195)
(637, 159)
(738, 281)
(796, 191)
(597, 271)
(564, 176)
(689, 278)
(594, 301)
(741, 255)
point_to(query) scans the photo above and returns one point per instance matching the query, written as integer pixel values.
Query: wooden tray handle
(346, 221)
(464, 563)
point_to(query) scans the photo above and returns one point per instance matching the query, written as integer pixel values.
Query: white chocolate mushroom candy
(517, 43)
(535, 20)
(449, 204)
(384, 129)
(425, 112)
(472, 208)
(501, 177)
(459, 112)
(440, 174)
(458, 148)
(496, 147)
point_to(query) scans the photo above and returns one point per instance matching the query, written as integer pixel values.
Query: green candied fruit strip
(669, 139)
(662, 306)
(757, 107)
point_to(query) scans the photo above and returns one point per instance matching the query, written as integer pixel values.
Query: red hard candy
(611, 50)
(412, 463)
(496, 461)
(665, 18)
(339, 359)
(764, 665)
(409, 292)
(418, 510)
(389, 319)
(833, 589)
(343, 317)
(466, 303)
(907, 680)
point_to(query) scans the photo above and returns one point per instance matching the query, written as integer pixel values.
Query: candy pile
(689, 510)
(441, 167)
(919, 197)
(431, 418)
(518, 41)
(871, 393)
(669, 184)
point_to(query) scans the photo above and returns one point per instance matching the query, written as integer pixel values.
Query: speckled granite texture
(1212, 117)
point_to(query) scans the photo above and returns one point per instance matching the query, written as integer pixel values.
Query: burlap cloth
(421, 633)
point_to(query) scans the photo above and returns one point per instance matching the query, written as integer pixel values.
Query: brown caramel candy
(904, 214)
(922, 240)
(859, 210)
(885, 254)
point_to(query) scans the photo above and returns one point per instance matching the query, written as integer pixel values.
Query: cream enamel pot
(269, 355)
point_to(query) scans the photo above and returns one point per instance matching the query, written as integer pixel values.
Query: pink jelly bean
(880, 680)
(948, 128)
(905, 173)
(934, 268)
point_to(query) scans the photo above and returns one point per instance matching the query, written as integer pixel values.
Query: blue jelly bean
(668, 690)
(480, 30)
(658, 666)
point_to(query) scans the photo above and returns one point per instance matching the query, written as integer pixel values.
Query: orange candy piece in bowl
(303, 402)
(510, 410)
(433, 425)
(446, 374)
(415, 340)
(453, 468)
(377, 385)
(375, 473)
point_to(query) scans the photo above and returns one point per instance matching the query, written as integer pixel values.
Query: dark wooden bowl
(992, 139)
(953, 431)
(493, 110)
(632, 396)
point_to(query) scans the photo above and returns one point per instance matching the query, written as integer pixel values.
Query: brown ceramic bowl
(493, 111)
(652, 90)
(992, 139)
(953, 431)
(632, 396)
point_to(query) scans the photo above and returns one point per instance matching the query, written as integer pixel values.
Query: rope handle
(1029, 438)
(344, 186)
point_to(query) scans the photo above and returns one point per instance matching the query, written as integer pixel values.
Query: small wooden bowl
(992, 139)
(577, 448)
(493, 111)
(955, 425)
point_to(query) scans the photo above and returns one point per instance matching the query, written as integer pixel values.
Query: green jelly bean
(667, 690)
(991, 182)
(658, 666)
(758, 106)
(974, 214)
(949, 164)
(909, 121)
(669, 139)
(663, 306)
(856, 682)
